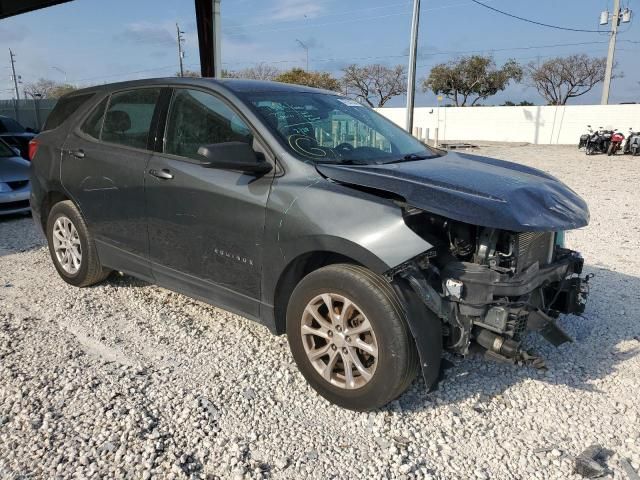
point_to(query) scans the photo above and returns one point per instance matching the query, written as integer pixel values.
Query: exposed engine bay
(491, 286)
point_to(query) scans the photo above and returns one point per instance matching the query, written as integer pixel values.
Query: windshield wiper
(346, 161)
(411, 157)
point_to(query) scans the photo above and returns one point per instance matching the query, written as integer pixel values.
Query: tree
(189, 74)
(310, 79)
(375, 84)
(523, 103)
(467, 77)
(561, 78)
(262, 71)
(48, 88)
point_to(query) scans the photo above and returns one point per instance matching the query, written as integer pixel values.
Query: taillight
(33, 148)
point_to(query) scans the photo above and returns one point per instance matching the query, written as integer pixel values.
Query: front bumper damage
(476, 303)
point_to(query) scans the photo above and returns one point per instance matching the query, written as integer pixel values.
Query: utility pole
(180, 51)
(306, 49)
(411, 74)
(13, 71)
(615, 19)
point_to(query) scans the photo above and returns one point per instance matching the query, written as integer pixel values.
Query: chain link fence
(31, 113)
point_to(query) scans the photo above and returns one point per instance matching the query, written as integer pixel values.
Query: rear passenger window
(65, 107)
(128, 118)
(93, 125)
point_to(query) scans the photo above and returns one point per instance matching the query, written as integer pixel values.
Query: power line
(382, 7)
(354, 18)
(373, 57)
(535, 22)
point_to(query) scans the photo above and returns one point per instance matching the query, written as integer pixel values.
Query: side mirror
(234, 156)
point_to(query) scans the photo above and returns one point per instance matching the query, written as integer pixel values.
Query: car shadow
(607, 334)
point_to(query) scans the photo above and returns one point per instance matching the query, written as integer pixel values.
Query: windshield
(9, 125)
(326, 128)
(5, 150)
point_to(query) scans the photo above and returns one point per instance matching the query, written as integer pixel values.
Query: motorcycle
(615, 143)
(584, 138)
(632, 145)
(598, 141)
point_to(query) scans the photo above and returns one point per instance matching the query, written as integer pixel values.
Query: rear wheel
(348, 335)
(635, 150)
(72, 248)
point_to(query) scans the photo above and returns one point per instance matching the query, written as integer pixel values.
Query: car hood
(476, 190)
(13, 169)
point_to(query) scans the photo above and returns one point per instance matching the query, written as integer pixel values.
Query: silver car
(14, 181)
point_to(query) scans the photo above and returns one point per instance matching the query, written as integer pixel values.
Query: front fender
(319, 215)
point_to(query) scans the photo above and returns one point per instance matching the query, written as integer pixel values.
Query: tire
(611, 149)
(83, 267)
(374, 305)
(588, 150)
(635, 150)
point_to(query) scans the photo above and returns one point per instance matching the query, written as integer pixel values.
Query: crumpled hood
(476, 190)
(13, 169)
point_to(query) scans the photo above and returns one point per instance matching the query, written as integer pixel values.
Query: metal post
(36, 104)
(615, 19)
(306, 49)
(217, 40)
(411, 74)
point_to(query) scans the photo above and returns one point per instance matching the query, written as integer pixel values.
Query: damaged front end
(491, 286)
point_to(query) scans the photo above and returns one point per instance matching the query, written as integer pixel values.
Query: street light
(62, 72)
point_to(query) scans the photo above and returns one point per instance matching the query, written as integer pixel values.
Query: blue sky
(97, 41)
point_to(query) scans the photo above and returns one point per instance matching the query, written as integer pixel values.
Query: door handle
(77, 153)
(164, 174)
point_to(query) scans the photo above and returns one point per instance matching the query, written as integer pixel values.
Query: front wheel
(611, 149)
(348, 335)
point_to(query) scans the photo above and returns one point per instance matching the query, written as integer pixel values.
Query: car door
(206, 225)
(103, 169)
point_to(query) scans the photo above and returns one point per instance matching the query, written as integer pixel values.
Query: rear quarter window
(65, 107)
(93, 124)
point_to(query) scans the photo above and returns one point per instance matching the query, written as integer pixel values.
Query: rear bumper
(14, 202)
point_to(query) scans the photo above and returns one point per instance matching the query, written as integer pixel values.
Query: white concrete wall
(539, 125)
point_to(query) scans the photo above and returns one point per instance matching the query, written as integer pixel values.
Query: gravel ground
(128, 380)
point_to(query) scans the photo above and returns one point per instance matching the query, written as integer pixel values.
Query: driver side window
(197, 118)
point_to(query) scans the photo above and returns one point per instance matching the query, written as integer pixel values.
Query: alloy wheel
(339, 341)
(66, 245)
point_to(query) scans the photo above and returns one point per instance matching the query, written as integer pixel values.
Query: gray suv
(313, 215)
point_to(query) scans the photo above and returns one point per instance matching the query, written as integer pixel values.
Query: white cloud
(287, 10)
(13, 33)
(147, 33)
